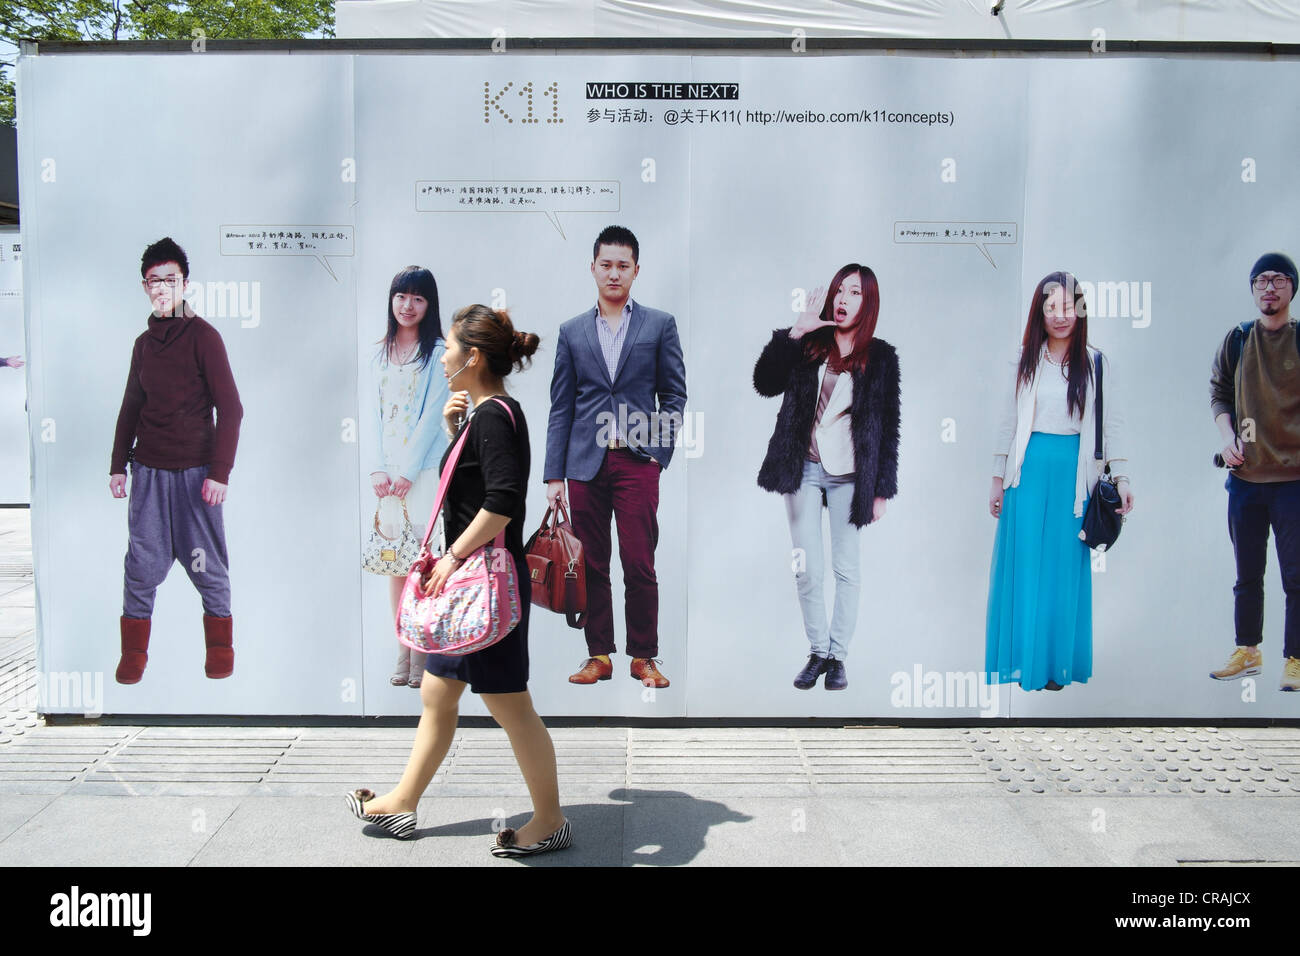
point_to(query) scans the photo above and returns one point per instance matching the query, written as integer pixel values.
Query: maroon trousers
(627, 486)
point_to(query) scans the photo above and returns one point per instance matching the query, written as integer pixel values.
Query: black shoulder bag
(1101, 521)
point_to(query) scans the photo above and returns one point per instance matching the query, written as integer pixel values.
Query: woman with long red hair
(1039, 626)
(835, 442)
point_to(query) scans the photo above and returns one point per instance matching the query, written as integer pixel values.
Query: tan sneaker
(1291, 674)
(1244, 662)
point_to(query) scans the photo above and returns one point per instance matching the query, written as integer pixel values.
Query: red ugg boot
(221, 654)
(135, 650)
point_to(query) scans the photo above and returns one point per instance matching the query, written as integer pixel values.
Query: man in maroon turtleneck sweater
(181, 463)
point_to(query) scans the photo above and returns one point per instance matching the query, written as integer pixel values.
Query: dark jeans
(1254, 507)
(626, 487)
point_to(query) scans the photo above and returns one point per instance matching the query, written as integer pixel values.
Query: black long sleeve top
(492, 472)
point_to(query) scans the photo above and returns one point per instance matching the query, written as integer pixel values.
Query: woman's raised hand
(811, 318)
(457, 407)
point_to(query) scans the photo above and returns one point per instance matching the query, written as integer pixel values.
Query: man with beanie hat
(1255, 397)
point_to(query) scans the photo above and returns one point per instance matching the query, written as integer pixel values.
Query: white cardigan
(1017, 423)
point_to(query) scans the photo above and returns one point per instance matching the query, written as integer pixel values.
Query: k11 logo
(493, 102)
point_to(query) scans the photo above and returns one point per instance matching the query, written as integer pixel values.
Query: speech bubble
(519, 195)
(316, 241)
(978, 234)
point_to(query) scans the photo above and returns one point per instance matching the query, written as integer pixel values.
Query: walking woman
(485, 495)
(1039, 629)
(409, 390)
(835, 442)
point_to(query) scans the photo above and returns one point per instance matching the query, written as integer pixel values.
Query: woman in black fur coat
(835, 444)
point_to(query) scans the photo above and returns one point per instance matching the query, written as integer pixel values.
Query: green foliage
(231, 19)
(153, 20)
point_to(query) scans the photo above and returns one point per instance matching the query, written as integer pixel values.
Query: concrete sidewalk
(179, 795)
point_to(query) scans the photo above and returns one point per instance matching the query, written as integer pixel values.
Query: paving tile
(76, 830)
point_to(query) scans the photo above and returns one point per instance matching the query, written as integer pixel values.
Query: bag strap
(574, 619)
(1096, 453)
(405, 514)
(546, 517)
(444, 480)
(1236, 344)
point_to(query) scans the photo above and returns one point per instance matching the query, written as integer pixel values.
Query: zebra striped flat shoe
(505, 845)
(400, 825)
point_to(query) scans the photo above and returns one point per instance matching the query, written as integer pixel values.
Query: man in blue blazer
(618, 394)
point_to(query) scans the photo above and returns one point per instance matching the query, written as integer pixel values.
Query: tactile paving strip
(1187, 761)
(17, 683)
(1139, 760)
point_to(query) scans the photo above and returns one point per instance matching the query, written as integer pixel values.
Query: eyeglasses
(154, 283)
(1277, 282)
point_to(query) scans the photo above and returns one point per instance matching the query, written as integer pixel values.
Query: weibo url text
(737, 117)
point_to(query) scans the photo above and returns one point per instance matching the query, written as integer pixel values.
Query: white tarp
(1261, 21)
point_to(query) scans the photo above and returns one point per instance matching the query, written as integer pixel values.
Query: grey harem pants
(169, 521)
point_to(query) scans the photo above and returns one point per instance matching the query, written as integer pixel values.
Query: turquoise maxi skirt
(1039, 624)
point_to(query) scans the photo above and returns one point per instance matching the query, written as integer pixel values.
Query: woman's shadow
(640, 828)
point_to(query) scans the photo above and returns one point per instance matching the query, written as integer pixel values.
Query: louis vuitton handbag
(391, 556)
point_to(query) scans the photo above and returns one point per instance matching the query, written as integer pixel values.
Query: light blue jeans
(804, 510)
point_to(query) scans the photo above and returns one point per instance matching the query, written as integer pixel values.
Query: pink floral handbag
(479, 604)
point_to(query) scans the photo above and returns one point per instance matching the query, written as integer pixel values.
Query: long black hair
(1080, 367)
(416, 280)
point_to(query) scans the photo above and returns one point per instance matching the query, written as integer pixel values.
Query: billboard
(823, 495)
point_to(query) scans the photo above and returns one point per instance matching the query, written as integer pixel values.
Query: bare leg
(535, 755)
(403, 669)
(410, 664)
(395, 586)
(441, 699)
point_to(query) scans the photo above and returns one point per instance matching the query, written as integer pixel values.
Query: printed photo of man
(180, 463)
(618, 394)
(1255, 397)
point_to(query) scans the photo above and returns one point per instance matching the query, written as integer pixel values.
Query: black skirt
(501, 668)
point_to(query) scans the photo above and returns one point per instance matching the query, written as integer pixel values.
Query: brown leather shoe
(644, 670)
(593, 670)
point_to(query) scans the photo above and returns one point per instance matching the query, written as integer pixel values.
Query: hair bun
(523, 346)
(491, 331)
